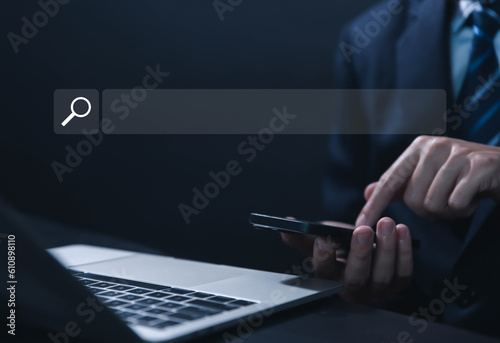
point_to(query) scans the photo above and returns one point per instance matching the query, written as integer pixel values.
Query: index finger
(393, 180)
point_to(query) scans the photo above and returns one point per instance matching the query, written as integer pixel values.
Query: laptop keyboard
(155, 306)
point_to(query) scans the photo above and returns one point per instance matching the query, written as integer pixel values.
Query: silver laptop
(165, 299)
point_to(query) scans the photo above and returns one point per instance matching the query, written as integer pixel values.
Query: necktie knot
(485, 23)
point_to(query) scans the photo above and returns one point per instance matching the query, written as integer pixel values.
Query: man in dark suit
(445, 188)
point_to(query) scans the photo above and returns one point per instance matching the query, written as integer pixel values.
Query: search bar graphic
(74, 113)
(276, 111)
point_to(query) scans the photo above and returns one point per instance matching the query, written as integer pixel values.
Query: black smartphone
(340, 233)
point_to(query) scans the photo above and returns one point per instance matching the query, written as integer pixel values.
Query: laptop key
(121, 288)
(109, 294)
(170, 305)
(201, 295)
(213, 305)
(205, 311)
(149, 302)
(241, 303)
(88, 282)
(130, 297)
(146, 320)
(187, 316)
(103, 285)
(178, 298)
(178, 291)
(220, 299)
(165, 324)
(159, 311)
(158, 295)
(139, 291)
(114, 303)
(136, 307)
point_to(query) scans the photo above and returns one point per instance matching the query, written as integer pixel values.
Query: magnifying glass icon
(73, 112)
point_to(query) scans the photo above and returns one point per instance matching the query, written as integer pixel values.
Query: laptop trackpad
(163, 270)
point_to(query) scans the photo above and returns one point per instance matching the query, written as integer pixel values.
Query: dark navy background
(131, 186)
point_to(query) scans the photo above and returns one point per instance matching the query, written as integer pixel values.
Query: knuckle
(437, 146)
(386, 247)
(420, 140)
(431, 205)
(389, 181)
(411, 200)
(481, 161)
(457, 205)
(361, 256)
(459, 151)
(440, 141)
(457, 161)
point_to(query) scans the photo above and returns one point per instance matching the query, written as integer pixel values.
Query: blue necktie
(480, 93)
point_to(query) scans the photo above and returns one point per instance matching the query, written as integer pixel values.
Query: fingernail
(386, 228)
(403, 234)
(361, 220)
(322, 246)
(364, 237)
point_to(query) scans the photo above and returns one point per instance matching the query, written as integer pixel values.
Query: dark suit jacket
(412, 52)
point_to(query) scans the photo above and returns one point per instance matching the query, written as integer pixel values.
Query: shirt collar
(462, 12)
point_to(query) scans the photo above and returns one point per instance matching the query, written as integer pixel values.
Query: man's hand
(368, 273)
(437, 177)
